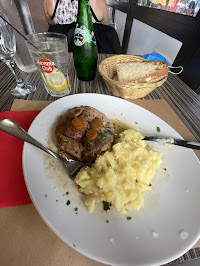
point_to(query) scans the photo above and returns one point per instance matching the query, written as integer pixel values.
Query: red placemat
(13, 190)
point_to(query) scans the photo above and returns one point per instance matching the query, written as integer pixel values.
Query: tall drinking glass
(49, 51)
(7, 53)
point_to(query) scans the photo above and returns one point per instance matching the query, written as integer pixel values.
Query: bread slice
(142, 72)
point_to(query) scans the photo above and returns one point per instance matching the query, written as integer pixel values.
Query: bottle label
(46, 65)
(83, 35)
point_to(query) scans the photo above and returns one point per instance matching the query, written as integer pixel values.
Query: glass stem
(11, 64)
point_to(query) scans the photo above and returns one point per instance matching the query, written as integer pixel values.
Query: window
(184, 7)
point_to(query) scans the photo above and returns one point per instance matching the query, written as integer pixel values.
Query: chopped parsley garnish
(68, 202)
(106, 206)
(150, 185)
(128, 218)
(65, 141)
(107, 221)
(76, 152)
(109, 132)
(76, 209)
(102, 153)
(136, 180)
(165, 169)
(88, 145)
(102, 134)
(158, 129)
(67, 193)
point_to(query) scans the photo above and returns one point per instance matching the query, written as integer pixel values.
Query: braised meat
(84, 133)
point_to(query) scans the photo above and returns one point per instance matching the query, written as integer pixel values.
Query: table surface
(182, 99)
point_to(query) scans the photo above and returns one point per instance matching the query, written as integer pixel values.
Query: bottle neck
(84, 15)
(84, 3)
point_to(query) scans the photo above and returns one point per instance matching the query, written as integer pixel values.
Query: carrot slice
(91, 134)
(96, 124)
(77, 124)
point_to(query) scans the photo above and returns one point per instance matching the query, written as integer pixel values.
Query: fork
(11, 127)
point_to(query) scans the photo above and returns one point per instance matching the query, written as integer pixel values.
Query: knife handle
(189, 144)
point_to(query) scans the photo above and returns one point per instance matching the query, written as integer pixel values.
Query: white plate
(163, 230)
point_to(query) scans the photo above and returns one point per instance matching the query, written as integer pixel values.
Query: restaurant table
(181, 109)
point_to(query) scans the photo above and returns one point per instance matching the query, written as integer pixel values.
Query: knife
(171, 141)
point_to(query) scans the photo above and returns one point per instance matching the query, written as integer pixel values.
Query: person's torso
(66, 12)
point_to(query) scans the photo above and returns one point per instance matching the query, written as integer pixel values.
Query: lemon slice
(56, 80)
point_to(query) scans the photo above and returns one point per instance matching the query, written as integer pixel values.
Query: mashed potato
(120, 176)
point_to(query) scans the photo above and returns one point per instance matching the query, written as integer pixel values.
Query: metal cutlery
(172, 141)
(12, 128)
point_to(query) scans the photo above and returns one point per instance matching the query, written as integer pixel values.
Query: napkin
(13, 190)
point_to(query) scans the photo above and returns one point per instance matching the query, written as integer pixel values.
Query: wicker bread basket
(108, 70)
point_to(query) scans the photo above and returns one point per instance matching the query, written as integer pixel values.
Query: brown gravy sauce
(119, 126)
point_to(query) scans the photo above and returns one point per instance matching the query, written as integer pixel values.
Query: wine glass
(7, 53)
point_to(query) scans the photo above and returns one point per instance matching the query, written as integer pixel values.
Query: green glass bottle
(85, 48)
